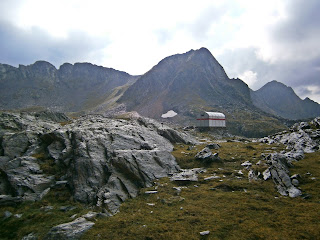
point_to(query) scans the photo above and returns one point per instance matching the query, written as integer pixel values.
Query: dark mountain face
(280, 100)
(193, 82)
(186, 83)
(69, 88)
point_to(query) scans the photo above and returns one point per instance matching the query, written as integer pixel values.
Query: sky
(255, 40)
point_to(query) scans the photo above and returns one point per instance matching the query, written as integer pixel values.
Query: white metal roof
(216, 115)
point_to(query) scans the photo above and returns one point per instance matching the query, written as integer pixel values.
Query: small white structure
(211, 119)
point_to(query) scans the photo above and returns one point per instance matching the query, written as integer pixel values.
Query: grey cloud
(163, 35)
(302, 22)
(297, 75)
(8, 9)
(297, 36)
(18, 46)
(305, 91)
(237, 61)
(210, 15)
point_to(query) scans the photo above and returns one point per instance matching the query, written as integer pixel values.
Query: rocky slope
(70, 88)
(280, 100)
(193, 82)
(302, 138)
(186, 83)
(102, 161)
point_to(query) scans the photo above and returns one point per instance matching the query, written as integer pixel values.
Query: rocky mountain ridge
(184, 80)
(187, 84)
(70, 88)
(280, 100)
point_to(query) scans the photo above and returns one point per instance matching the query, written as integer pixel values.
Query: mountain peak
(275, 83)
(279, 99)
(42, 64)
(179, 81)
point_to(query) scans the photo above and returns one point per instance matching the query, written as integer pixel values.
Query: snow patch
(169, 114)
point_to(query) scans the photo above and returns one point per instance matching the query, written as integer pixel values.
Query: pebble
(7, 214)
(150, 192)
(205, 233)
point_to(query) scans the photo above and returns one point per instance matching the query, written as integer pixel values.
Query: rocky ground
(101, 162)
(301, 138)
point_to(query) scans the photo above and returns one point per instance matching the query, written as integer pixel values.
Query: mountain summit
(280, 100)
(186, 83)
(69, 88)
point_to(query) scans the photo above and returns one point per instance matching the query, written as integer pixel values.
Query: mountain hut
(211, 119)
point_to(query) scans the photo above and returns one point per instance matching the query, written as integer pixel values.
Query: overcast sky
(255, 40)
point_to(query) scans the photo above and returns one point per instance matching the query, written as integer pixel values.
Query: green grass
(230, 207)
(233, 208)
(36, 217)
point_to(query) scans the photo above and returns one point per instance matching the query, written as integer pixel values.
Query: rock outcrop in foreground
(102, 161)
(302, 138)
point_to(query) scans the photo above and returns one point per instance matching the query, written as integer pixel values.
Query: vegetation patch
(39, 217)
(229, 206)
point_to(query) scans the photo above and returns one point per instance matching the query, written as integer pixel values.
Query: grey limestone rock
(7, 214)
(8, 200)
(30, 236)
(204, 233)
(26, 178)
(15, 144)
(207, 156)
(280, 175)
(213, 146)
(72, 230)
(52, 116)
(187, 175)
(171, 134)
(104, 161)
(302, 138)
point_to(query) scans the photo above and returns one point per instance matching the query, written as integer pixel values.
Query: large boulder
(112, 159)
(26, 179)
(103, 160)
(279, 171)
(207, 156)
(171, 134)
(72, 230)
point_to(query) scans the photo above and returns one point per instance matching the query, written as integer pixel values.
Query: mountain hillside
(69, 88)
(193, 82)
(280, 100)
(185, 84)
(182, 81)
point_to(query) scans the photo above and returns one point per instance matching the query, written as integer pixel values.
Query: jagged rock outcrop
(21, 175)
(302, 138)
(103, 161)
(279, 171)
(187, 175)
(207, 156)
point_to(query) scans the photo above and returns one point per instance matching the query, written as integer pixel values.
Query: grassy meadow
(228, 205)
